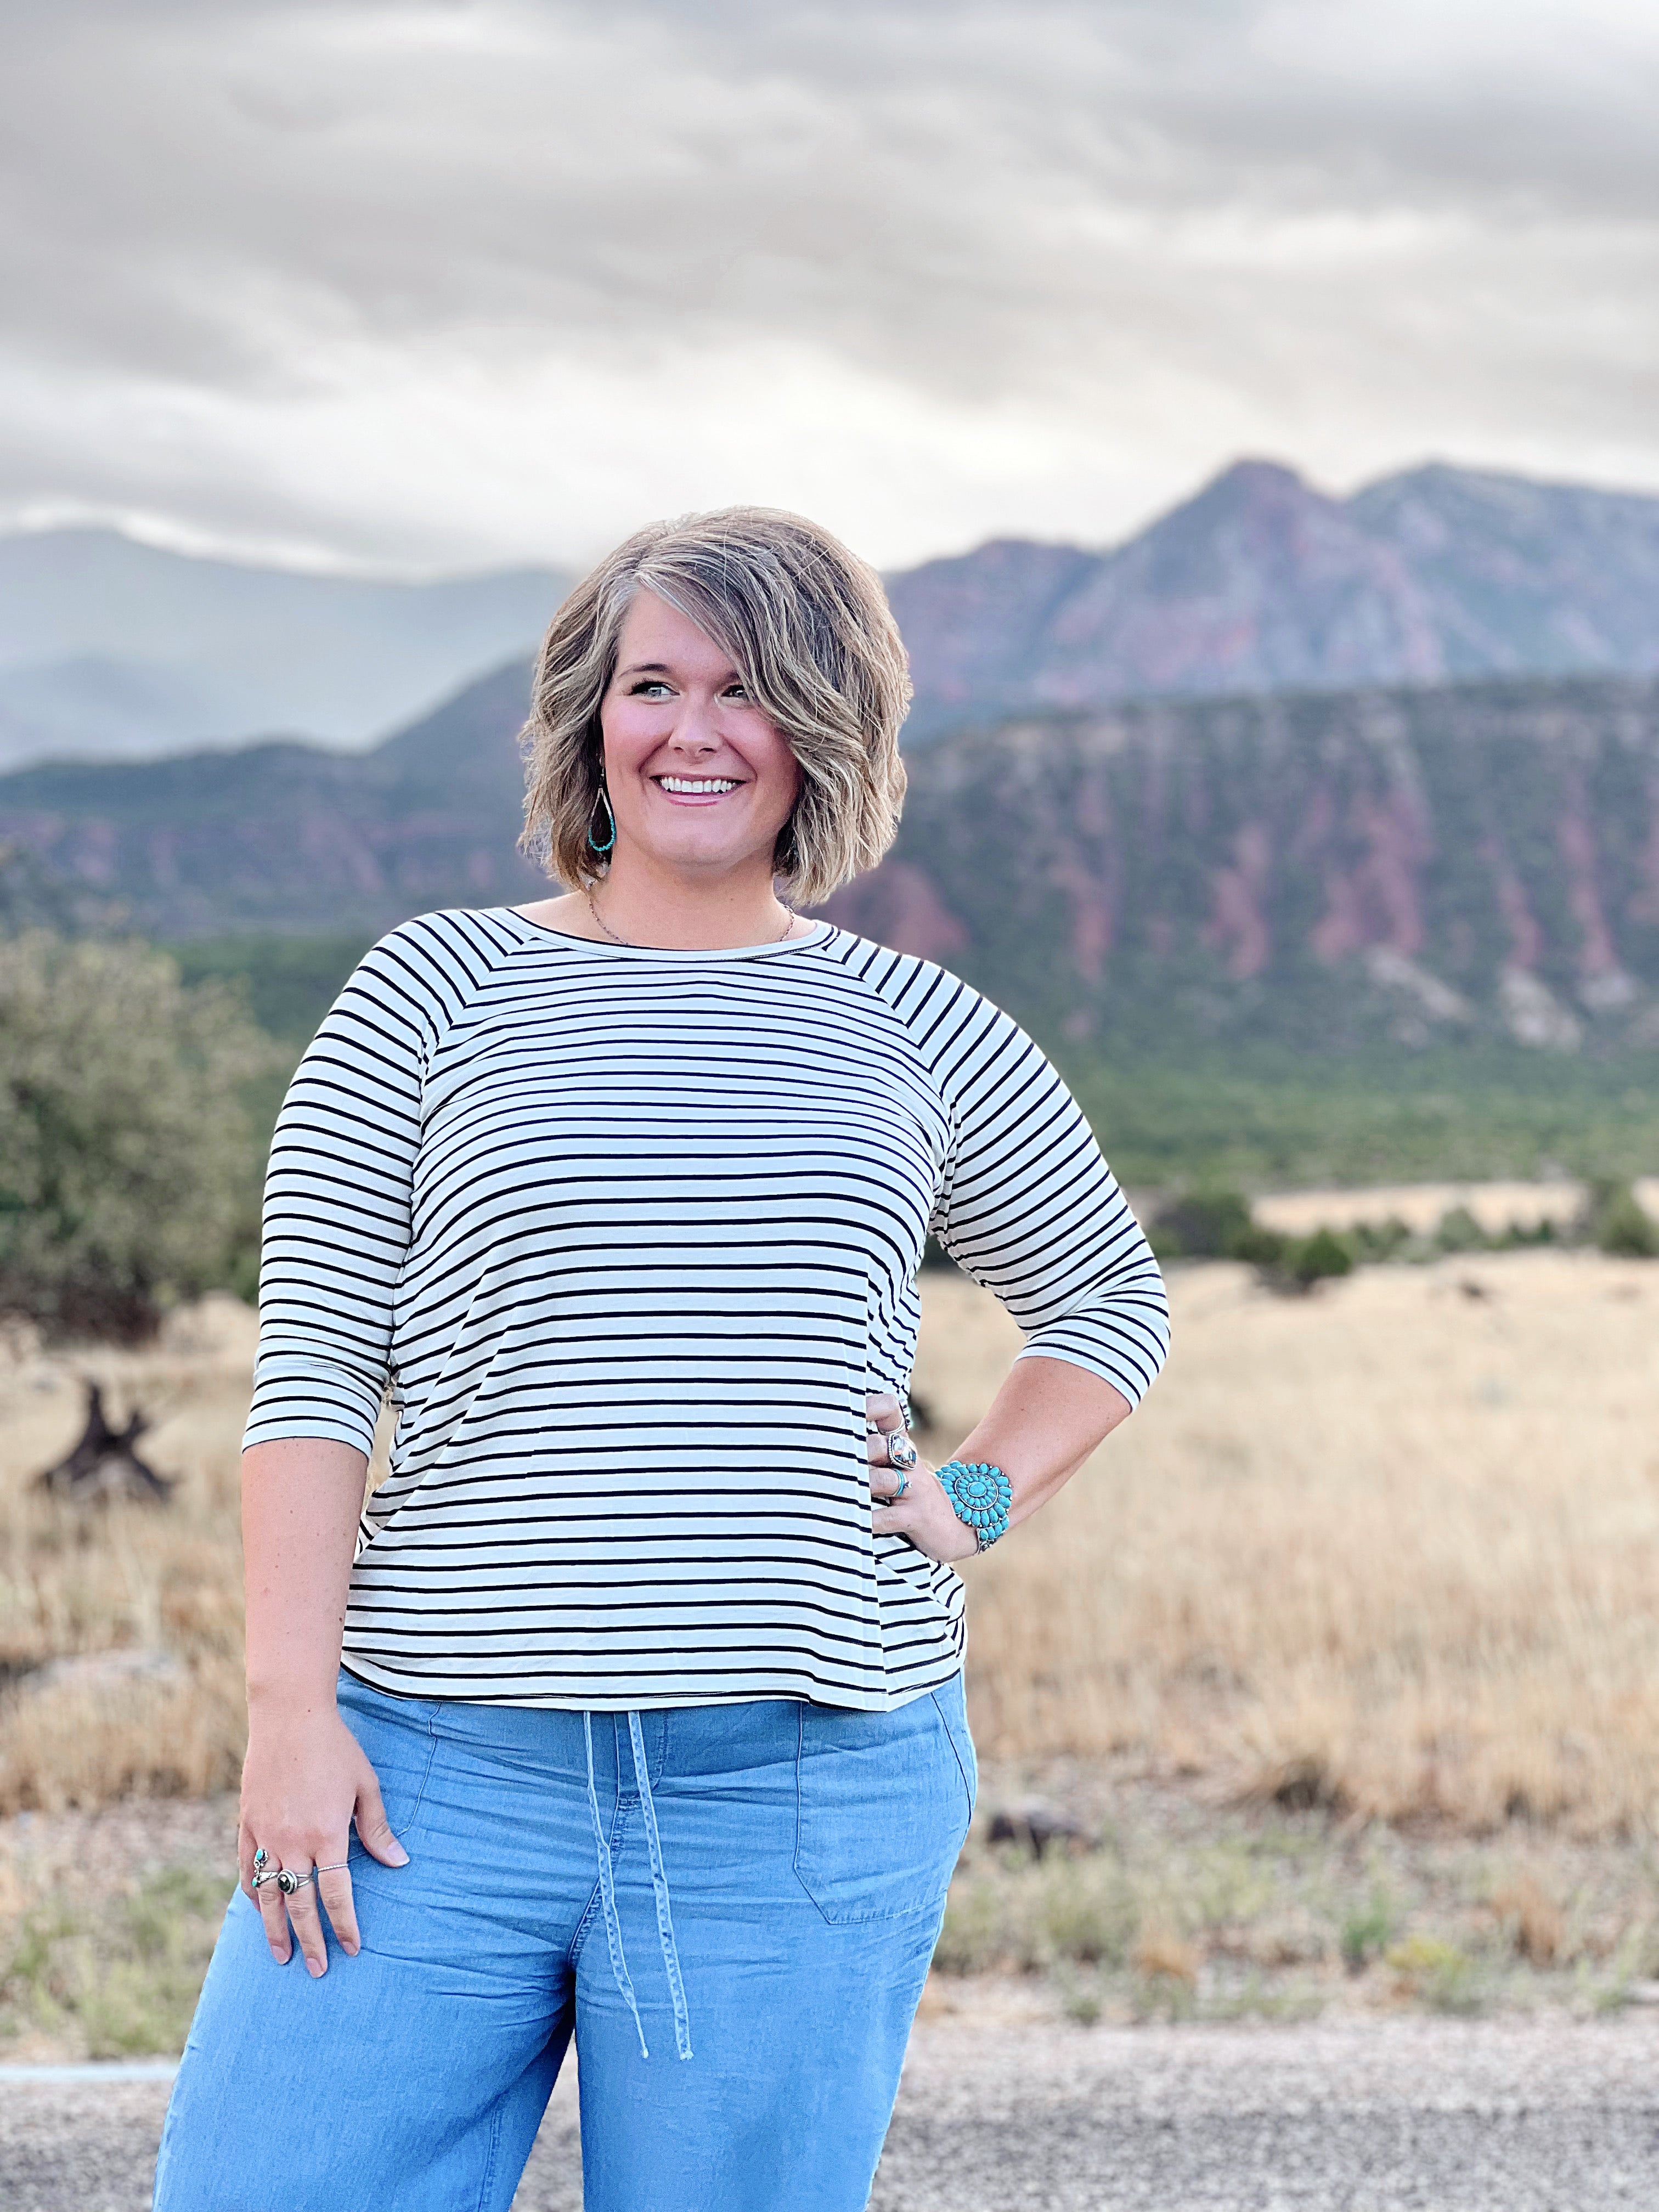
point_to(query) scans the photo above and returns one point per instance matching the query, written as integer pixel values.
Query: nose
(693, 733)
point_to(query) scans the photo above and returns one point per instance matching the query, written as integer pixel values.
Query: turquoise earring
(601, 798)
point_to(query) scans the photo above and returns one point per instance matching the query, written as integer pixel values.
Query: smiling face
(701, 782)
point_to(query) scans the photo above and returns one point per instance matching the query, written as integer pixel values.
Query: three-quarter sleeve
(336, 1206)
(1029, 1208)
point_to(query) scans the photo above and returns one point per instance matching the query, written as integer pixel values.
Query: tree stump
(103, 1464)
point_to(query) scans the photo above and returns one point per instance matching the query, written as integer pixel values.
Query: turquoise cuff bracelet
(980, 1496)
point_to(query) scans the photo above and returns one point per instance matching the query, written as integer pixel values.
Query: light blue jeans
(753, 1891)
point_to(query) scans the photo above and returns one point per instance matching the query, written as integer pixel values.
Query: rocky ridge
(1263, 583)
(1405, 863)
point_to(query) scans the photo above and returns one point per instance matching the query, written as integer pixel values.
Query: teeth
(698, 784)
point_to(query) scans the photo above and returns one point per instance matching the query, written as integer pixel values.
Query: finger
(307, 1927)
(888, 1483)
(374, 1829)
(884, 1409)
(273, 1910)
(334, 1888)
(876, 1445)
(903, 1515)
(246, 1848)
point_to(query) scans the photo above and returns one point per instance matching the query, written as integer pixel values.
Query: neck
(645, 904)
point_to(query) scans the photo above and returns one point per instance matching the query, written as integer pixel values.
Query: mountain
(283, 836)
(1321, 868)
(1262, 583)
(112, 649)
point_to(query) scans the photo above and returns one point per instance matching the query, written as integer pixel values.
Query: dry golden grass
(161, 1585)
(1395, 1547)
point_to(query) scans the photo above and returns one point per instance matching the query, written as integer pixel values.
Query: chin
(704, 859)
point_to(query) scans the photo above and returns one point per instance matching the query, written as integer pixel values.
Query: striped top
(630, 1235)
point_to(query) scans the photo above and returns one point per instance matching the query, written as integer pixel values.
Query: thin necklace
(630, 945)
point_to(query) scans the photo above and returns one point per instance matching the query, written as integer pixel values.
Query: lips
(695, 788)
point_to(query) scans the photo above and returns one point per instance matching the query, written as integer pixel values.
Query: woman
(643, 1690)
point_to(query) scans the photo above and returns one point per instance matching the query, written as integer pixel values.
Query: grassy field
(1339, 1669)
(1392, 1549)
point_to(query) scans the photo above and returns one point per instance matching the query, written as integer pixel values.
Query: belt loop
(608, 1892)
(670, 1957)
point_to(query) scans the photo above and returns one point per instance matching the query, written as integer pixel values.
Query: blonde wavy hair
(809, 632)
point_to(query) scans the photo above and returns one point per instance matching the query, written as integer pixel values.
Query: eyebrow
(659, 668)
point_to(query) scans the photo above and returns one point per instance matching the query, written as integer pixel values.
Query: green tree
(1619, 1224)
(1200, 1225)
(1314, 1259)
(128, 1166)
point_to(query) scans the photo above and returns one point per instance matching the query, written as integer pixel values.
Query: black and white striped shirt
(631, 1234)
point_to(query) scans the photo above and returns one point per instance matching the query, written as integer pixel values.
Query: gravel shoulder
(998, 2113)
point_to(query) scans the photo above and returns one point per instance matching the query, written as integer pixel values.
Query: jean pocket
(397, 1739)
(882, 1806)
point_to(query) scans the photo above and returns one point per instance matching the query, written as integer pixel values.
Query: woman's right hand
(306, 1778)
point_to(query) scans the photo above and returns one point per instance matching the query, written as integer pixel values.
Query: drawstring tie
(670, 1957)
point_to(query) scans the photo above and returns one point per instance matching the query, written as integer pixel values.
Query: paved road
(1433, 2116)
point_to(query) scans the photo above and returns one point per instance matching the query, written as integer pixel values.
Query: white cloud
(432, 282)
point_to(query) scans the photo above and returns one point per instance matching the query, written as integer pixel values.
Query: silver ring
(338, 1866)
(900, 1452)
(287, 1881)
(268, 1873)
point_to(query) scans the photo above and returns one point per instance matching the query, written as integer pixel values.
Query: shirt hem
(442, 1691)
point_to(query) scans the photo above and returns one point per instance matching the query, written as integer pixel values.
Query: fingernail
(351, 1949)
(402, 1858)
(316, 1968)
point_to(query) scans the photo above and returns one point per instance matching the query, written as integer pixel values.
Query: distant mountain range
(1323, 868)
(284, 837)
(110, 649)
(1260, 583)
(1263, 583)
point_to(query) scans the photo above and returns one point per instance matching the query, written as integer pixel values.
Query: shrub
(1437, 1974)
(1620, 1225)
(1259, 1246)
(127, 1163)
(1312, 1259)
(1029, 1916)
(1199, 1224)
(1366, 1933)
(1459, 1231)
(1374, 1242)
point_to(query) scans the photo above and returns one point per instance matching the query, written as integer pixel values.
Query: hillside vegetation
(1345, 935)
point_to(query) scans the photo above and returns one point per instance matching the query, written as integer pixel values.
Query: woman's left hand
(924, 1514)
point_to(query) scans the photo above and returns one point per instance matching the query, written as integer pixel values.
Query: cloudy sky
(432, 283)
